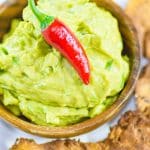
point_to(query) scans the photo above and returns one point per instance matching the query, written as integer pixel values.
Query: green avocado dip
(39, 83)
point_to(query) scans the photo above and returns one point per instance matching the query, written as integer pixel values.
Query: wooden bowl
(11, 10)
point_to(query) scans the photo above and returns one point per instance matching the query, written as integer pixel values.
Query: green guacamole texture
(39, 83)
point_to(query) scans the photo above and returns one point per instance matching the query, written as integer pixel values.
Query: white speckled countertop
(8, 134)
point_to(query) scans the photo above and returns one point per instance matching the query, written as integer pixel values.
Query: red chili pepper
(58, 35)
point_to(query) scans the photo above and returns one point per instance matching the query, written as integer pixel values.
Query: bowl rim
(90, 124)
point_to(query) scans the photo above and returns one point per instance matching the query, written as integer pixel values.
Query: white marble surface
(8, 134)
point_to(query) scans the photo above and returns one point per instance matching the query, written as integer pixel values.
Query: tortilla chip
(139, 12)
(143, 90)
(147, 44)
(26, 144)
(131, 133)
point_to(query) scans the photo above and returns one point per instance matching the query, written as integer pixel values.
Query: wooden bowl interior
(13, 9)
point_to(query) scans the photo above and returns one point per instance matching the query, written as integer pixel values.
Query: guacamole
(39, 83)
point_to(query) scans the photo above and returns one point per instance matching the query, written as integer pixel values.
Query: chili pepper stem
(42, 18)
